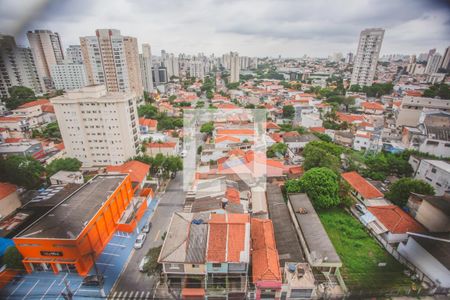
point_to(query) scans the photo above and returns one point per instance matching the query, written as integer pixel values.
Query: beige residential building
(98, 127)
(412, 108)
(47, 51)
(113, 60)
(235, 67)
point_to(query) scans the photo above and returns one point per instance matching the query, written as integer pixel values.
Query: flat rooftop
(288, 244)
(67, 219)
(316, 238)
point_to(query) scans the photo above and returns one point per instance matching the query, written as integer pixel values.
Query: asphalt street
(132, 282)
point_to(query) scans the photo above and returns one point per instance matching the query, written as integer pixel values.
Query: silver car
(144, 260)
(140, 241)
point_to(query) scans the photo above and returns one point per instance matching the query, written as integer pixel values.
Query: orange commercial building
(74, 233)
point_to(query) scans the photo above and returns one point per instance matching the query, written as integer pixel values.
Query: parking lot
(47, 285)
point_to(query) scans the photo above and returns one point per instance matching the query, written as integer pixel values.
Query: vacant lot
(361, 254)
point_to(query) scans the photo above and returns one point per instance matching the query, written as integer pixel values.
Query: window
(215, 265)
(195, 266)
(433, 170)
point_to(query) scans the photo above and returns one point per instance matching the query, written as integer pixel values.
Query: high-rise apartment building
(47, 51)
(113, 60)
(197, 69)
(98, 127)
(69, 76)
(235, 68)
(146, 68)
(73, 54)
(17, 67)
(366, 59)
(433, 64)
(171, 63)
(446, 60)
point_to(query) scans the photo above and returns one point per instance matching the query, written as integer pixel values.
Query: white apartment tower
(73, 54)
(197, 69)
(146, 67)
(172, 65)
(113, 60)
(47, 51)
(433, 64)
(98, 127)
(366, 59)
(17, 67)
(446, 59)
(235, 68)
(69, 76)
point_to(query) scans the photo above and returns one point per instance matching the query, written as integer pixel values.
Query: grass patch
(361, 254)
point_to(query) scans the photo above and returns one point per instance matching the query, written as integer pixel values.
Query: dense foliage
(19, 95)
(164, 122)
(277, 148)
(375, 90)
(288, 111)
(207, 127)
(152, 266)
(321, 185)
(12, 258)
(22, 171)
(160, 164)
(65, 164)
(440, 90)
(399, 190)
(50, 131)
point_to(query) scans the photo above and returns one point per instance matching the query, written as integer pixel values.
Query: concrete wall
(432, 218)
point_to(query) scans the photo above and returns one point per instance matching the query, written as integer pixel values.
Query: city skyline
(250, 28)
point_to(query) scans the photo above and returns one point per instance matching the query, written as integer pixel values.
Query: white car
(361, 208)
(183, 153)
(140, 241)
(147, 227)
(144, 260)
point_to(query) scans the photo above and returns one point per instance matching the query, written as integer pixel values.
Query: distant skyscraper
(98, 128)
(434, 61)
(112, 59)
(146, 68)
(197, 69)
(69, 76)
(446, 60)
(367, 55)
(73, 54)
(430, 53)
(47, 51)
(171, 63)
(234, 61)
(17, 67)
(349, 58)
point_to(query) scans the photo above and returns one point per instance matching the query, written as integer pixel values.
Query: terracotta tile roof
(349, 118)
(226, 138)
(233, 195)
(148, 122)
(236, 152)
(277, 137)
(137, 170)
(362, 186)
(317, 129)
(235, 131)
(48, 108)
(35, 103)
(296, 170)
(6, 189)
(272, 125)
(11, 119)
(227, 106)
(59, 146)
(227, 238)
(372, 105)
(395, 219)
(291, 133)
(13, 140)
(193, 292)
(413, 93)
(265, 260)
(161, 145)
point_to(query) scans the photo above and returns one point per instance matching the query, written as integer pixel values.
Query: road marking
(62, 280)
(43, 296)
(112, 254)
(125, 295)
(131, 294)
(119, 295)
(157, 236)
(105, 264)
(17, 287)
(117, 245)
(146, 295)
(142, 294)
(32, 288)
(78, 288)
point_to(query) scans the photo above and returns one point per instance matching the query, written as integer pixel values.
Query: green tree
(318, 157)
(12, 258)
(279, 148)
(324, 137)
(148, 111)
(65, 164)
(209, 94)
(440, 90)
(399, 191)
(321, 185)
(22, 171)
(51, 131)
(288, 111)
(172, 98)
(19, 95)
(152, 266)
(207, 128)
(233, 86)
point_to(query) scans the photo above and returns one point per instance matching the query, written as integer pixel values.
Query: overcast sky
(290, 28)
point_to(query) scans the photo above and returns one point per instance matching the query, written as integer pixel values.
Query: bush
(399, 191)
(152, 266)
(12, 258)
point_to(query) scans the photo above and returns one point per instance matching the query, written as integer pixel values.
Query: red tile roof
(227, 106)
(11, 119)
(226, 238)
(59, 146)
(6, 189)
(317, 129)
(362, 186)
(235, 131)
(48, 108)
(349, 118)
(272, 125)
(137, 170)
(291, 133)
(372, 105)
(413, 93)
(161, 145)
(395, 219)
(233, 195)
(265, 260)
(226, 138)
(276, 137)
(35, 103)
(13, 140)
(193, 292)
(148, 122)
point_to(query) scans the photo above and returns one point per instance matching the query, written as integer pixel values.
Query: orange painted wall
(132, 225)
(90, 242)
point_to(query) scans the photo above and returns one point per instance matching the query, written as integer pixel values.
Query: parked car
(147, 227)
(361, 208)
(140, 241)
(144, 260)
(93, 280)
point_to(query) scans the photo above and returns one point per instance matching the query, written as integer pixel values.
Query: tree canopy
(22, 171)
(161, 163)
(50, 131)
(375, 90)
(440, 90)
(12, 258)
(399, 191)
(207, 127)
(279, 148)
(288, 111)
(19, 95)
(62, 164)
(321, 185)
